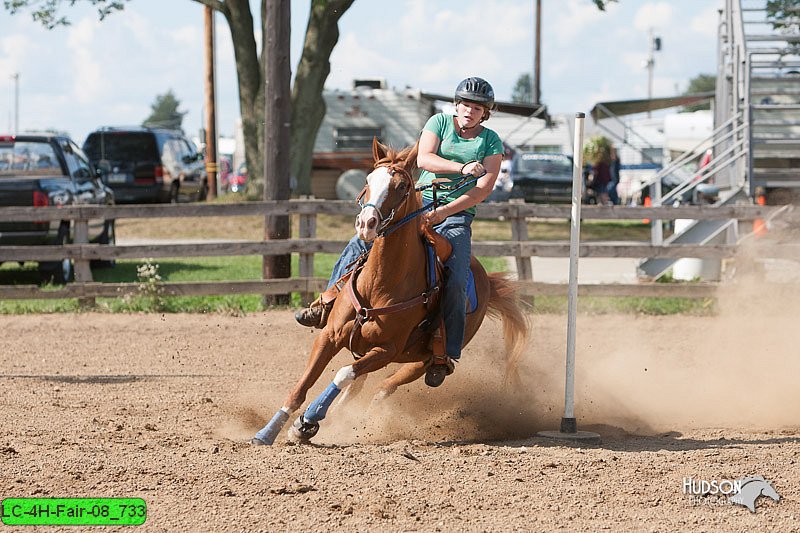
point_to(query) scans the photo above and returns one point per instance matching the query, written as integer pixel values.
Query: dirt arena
(161, 407)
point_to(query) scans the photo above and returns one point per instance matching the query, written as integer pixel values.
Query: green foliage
(597, 149)
(46, 11)
(784, 15)
(602, 4)
(523, 89)
(150, 289)
(702, 83)
(164, 112)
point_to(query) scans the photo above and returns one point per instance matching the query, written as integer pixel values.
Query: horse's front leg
(307, 425)
(321, 354)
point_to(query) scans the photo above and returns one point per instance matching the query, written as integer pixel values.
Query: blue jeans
(457, 228)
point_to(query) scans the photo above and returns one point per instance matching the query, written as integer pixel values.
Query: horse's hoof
(257, 442)
(302, 430)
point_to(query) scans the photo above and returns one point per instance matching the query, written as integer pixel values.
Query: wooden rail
(306, 245)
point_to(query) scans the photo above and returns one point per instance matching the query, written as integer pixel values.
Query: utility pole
(16, 102)
(277, 142)
(211, 111)
(537, 54)
(654, 46)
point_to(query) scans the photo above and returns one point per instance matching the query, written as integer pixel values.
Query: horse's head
(388, 187)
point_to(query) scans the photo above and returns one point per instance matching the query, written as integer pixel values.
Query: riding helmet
(476, 90)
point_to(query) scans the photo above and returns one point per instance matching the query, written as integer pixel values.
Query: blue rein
(466, 180)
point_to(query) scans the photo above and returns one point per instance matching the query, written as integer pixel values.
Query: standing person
(450, 147)
(614, 168)
(601, 178)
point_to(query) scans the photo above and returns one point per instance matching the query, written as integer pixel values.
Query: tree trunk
(251, 89)
(308, 106)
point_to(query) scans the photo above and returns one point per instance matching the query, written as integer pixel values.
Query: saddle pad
(472, 294)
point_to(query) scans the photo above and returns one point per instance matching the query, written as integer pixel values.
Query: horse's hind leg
(352, 390)
(405, 374)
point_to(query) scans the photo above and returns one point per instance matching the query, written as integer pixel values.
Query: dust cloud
(737, 369)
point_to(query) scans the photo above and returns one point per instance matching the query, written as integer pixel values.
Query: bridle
(385, 220)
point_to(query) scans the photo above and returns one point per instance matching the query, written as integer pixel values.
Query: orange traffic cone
(647, 203)
(759, 226)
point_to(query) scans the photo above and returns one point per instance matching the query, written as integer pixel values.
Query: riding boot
(315, 315)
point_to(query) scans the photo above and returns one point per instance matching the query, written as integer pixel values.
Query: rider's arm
(428, 159)
(483, 187)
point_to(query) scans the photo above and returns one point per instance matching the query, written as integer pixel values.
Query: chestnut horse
(394, 274)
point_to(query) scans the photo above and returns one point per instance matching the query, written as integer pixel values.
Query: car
(542, 177)
(50, 170)
(148, 165)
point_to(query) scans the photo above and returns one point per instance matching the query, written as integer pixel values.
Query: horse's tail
(505, 303)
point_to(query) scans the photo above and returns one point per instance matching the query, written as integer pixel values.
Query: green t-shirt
(455, 148)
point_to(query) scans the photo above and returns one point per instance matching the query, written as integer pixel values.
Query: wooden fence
(307, 245)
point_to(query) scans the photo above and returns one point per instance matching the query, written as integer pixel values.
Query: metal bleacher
(756, 138)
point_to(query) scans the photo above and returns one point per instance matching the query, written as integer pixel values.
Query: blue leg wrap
(319, 407)
(269, 432)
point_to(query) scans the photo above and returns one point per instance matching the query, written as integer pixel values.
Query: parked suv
(145, 165)
(542, 177)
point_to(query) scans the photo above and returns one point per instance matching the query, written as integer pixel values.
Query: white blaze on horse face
(369, 218)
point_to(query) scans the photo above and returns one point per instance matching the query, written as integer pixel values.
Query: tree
(597, 150)
(164, 112)
(784, 15)
(701, 83)
(523, 89)
(308, 106)
(46, 11)
(601, 4)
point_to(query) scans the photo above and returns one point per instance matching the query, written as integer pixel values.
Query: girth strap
(368, 313)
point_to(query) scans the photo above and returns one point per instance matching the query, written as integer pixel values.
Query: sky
(94, 73)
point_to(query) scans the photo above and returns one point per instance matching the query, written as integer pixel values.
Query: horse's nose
(366, 222)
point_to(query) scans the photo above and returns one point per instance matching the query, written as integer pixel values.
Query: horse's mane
(394, 157)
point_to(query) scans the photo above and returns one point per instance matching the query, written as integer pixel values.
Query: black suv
(145, 165)
(542, 177)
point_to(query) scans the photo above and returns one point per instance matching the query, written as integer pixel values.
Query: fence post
(308, 230)
(519, 233)
(83, 270)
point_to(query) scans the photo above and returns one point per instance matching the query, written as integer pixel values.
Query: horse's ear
(378, 150)
(410, 163)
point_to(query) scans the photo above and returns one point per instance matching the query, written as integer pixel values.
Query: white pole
(568, 422)
(16, 103)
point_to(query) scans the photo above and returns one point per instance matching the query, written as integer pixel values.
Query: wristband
(465, 165)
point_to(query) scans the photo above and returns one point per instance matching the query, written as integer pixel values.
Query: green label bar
(74, 511)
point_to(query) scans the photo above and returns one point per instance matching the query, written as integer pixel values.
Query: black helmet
(476, 90)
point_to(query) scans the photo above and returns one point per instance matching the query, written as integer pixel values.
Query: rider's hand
(434, 217)
(475, 168)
